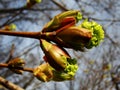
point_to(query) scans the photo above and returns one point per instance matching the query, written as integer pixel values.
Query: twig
(11, 53)
(58, 4)
(13, 10)
(9, 85)
(35, 35)
(4, 65)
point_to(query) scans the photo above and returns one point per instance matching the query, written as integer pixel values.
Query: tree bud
(43, 72)
(15, 64)
(73, 37)
(54, 55)
(30, 3)
(61, 20)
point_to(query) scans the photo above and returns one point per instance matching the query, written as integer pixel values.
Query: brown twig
(9, 85)
(35, 35)
(11, 53)
(58, 4)
(5, 65)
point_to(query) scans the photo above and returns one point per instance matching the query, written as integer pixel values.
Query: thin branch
(58, 4)
(35, 35)
(11, 53)
(9, 85)
(107, 20)
(12, 10)
(5, 65)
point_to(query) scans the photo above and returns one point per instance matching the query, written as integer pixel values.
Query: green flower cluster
(63, 31)
(97, 33)
(68, 73)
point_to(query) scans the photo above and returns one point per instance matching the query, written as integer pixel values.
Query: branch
(11, 53)
(35, 35)
(13, 10)
(4, 65)
(59, 5)
(107, 19)
(9, 84)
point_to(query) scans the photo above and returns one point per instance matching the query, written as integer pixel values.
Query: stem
(4, 65)
(9, 85)
(35, 35)
(28, 69)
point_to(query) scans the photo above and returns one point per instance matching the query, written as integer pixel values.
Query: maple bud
(64, 67)
(86, 35)
(43, 72)
(11, 27)
(15, 64)
(47, 73)
(63, 19)
(30, 3)
(54, 55)
(73, 37)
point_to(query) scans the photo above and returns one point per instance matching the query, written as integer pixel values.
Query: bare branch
(9, 84)
(59, 5)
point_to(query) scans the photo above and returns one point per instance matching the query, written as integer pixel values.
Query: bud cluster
(59, 65)
(63, 31)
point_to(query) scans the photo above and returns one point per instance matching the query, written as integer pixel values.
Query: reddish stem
(35, 35)
(3, 65)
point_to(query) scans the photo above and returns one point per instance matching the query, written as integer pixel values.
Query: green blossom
(68, 73)
(97, 33)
